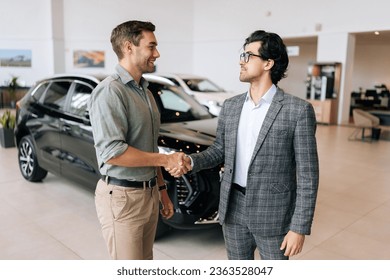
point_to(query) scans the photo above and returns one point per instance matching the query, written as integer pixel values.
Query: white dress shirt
(251, 120)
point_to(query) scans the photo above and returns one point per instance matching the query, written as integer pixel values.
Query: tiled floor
(56, 219)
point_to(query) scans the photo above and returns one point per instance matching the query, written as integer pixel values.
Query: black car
(53, 134)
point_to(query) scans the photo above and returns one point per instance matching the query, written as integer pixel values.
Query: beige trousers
(128, 217)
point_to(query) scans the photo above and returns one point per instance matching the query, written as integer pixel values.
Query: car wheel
(28, 162)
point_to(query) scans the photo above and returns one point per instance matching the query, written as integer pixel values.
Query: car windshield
(202, 85)
(175, 105)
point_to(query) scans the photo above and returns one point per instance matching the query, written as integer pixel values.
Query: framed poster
(88, 59)
(15, 58)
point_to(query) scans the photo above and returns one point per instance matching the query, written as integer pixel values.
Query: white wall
(221, 26)
(195, 36)
(371, 67)
(26, 25)
(89, 24)
(295, 82)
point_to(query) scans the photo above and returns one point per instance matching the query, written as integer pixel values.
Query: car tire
(28, 163)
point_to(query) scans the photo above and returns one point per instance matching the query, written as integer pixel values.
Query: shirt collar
(267, 97)
(127, 78)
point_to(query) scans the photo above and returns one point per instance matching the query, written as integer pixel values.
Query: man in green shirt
(125, 122)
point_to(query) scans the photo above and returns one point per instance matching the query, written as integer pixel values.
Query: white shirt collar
(267, 97)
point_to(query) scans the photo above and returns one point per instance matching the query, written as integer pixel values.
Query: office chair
(363, 120)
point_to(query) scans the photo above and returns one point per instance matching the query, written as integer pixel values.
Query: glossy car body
(202, 89)
(53, 134)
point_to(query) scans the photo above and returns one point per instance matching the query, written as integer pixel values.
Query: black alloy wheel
(28, 162)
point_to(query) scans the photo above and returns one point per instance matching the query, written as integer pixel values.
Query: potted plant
(12, 87)
(7, 125)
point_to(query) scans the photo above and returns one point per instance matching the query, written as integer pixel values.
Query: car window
(175, 105)
(172, 101)
(79, 99)
(174, 81)
(39, 91)
(202, 85)
(56, 94)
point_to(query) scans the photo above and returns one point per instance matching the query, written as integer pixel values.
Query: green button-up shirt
(122, 114)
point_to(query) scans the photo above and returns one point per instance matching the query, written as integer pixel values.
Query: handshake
(178, 164)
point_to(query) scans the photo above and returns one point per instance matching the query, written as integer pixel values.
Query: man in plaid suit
(266, 140)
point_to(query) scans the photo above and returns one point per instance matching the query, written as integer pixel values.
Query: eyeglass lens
(244, 57)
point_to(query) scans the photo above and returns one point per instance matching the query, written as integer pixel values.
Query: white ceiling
(371, 38)
(363, 38)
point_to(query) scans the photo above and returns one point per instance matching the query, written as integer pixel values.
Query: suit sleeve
(305, 148)
(214, 154)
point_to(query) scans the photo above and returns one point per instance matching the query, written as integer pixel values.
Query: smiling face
(144, 56)
(140, 59)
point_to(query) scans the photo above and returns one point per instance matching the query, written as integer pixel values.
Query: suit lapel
(236, 117)
(234, 122)
(270, 117)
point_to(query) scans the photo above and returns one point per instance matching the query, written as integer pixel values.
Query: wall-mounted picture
(15, 58)
(88, 59)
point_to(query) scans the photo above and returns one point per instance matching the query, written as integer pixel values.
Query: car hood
(220, 97)
(200, 132)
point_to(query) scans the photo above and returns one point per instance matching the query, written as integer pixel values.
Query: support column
(339, 47)
(57, 21)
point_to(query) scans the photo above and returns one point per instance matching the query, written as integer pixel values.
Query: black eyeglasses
(244, 57)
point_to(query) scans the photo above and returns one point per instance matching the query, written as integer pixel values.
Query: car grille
(182, 191)
(187, 189)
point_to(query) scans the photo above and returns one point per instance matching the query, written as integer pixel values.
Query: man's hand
(167, 206)
(293, 243)
(179, 164)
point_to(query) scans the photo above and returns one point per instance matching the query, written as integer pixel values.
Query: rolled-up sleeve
(109, 122)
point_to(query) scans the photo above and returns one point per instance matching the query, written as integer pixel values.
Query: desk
(1, 98)
(384, 116)
(368, 102)
(5, 98)
(365, 104)
(325, 110)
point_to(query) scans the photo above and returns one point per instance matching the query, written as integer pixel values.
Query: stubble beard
(243, 78)
(148, 67)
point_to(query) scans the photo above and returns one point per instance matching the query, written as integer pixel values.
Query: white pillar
(339, 47)
(57, 23)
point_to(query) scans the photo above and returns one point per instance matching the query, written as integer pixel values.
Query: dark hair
(129, 31)
(272, 47)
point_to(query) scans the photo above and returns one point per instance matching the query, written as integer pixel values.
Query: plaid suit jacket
(283, 173)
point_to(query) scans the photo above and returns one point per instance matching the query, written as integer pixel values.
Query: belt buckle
(151, 183)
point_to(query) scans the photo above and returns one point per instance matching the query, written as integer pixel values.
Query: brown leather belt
(239, 188)
(130, 184)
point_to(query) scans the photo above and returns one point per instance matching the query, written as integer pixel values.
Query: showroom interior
(56, 218)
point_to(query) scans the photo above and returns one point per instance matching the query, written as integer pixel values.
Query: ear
(269, 64)
(127, 47)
